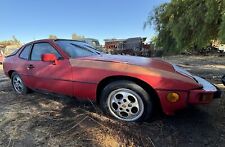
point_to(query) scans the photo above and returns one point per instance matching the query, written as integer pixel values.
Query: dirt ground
(48, 120)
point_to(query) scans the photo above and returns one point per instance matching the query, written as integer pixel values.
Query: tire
(126, 101)
(18, 84)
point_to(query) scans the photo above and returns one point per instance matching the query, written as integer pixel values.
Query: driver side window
(42, 48)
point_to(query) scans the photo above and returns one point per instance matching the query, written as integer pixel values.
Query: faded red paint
(80, 77)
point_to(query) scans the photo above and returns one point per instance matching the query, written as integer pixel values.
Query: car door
(23, 63)
(48, 76)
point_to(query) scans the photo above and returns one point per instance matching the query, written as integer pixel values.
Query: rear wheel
(18, 84)
(126, 101)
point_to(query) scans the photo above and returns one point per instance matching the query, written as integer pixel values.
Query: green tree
(185, 24)
(222, 26)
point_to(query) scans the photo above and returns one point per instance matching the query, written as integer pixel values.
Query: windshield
(76, 48)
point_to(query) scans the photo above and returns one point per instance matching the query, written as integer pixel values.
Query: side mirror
(49, 58)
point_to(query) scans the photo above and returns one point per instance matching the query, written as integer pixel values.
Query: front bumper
(204, 95)
(197, 96)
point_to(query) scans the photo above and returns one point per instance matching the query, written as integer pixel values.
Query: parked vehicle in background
(1, 56)
(126, 87)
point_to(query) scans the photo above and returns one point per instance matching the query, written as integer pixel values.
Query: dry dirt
(48, 120)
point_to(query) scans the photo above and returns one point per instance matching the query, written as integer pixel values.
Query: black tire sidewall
(25, 89)
(148, 105)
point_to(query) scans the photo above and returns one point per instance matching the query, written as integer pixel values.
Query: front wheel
(126, 101)
(18, 84)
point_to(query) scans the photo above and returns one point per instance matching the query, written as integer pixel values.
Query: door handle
(30, 67)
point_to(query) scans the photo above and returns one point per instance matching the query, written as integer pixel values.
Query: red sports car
(128, 88)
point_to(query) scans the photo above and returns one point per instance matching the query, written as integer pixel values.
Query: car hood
(161, 72)
(133, 60)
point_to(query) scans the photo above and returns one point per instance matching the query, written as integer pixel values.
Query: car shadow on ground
(193, 125)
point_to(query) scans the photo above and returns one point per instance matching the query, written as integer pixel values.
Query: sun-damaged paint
(80, 77)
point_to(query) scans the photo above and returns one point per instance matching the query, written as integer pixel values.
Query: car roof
(50, 40)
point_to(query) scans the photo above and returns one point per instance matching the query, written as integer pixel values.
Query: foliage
(8, 46)
(13, 41)
(77, 37)
(154, 40)
(52, 37)
(222, 26)
(185, 24)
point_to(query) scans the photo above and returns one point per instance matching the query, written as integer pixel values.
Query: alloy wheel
(125, 104)
(17, 84)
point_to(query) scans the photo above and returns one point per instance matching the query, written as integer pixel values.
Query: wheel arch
(10, 73)
(150, 90)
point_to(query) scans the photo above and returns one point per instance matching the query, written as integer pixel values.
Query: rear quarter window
(26, 52)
